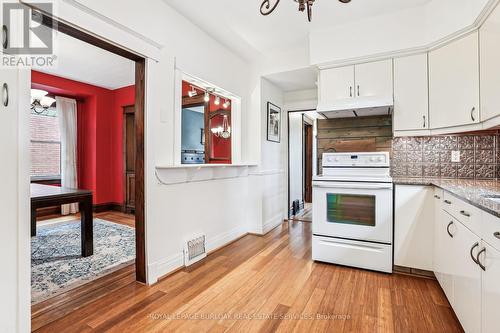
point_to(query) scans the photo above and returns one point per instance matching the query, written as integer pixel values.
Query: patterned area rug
(56, 262)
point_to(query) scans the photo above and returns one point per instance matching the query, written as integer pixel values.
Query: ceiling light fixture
(207, 97)
(193, 92)
(40, 102)
(217, 100)
(226, 104)
(266, 8)
(223, 131)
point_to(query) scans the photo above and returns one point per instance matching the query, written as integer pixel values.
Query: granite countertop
(472, 191)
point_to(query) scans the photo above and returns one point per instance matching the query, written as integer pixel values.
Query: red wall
(220, 147)
(100, 126)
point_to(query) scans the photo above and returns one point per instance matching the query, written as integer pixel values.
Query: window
(45, 145)
(206, 134)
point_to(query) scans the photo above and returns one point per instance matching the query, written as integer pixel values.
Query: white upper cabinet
(411, 93)
(336, 85)
(359, 86)
(454, 83)
(489, 37)
(374, 80)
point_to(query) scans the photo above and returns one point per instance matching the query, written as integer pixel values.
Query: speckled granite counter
(471, 191)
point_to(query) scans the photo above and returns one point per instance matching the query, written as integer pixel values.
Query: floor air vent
(195, 250)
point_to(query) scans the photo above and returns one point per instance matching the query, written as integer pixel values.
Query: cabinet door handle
(497, 234)
(464, 213)
(472, 253)
(5, 95)
(425, 123)
(448, 229)
(358, 90)
(437, 196)
(350, 91)
(472, 114)
(448, 202)
(5, 37)
(479, 260)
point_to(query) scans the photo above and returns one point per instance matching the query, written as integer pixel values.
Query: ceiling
(301, 79)
(239, 25)
(79, 61)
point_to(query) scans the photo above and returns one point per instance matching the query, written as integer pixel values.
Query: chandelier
(267, 8)
(223, 131)
(40, 102)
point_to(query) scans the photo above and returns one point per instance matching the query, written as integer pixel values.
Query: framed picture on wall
(273, 122)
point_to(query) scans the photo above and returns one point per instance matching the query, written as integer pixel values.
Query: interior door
(129, 149)
(308, 162)
(14, 200)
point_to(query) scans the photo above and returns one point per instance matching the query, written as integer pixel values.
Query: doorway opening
(301, 163)
(123, 205)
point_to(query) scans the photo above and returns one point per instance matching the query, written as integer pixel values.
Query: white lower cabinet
(490, 295)
(466, 276)
(467, 266)
(444, 253)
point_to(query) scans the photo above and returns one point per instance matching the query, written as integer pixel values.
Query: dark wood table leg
(33, 222)
(87, 227)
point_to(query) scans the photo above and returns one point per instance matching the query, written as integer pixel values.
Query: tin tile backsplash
(431, 156)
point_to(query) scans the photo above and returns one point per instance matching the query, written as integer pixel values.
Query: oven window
(351, 209)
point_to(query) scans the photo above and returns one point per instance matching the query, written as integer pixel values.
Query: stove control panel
(367, 160)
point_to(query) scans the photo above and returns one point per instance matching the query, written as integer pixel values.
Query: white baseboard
(163, 267)
(220, 240)
(272, 223)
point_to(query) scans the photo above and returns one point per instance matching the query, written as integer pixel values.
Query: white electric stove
(352, 211)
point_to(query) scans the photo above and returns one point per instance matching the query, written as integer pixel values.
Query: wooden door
(129, 157)
(308, 162)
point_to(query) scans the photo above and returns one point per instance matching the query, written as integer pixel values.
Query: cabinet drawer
(490, 230)
(469, 215)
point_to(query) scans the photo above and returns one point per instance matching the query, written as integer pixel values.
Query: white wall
(267, 182)
(224, 209)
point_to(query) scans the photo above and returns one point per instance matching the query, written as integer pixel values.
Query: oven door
(350, 210)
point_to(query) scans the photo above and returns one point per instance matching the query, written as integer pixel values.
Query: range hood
(359, 107)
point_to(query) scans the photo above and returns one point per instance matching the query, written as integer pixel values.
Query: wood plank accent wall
(364, 134)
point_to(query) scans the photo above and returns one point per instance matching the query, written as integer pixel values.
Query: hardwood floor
(265, 284)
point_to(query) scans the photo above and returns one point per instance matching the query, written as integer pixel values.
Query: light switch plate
(455, 156)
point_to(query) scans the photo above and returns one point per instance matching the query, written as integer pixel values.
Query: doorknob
(5, 95)
(5, 37)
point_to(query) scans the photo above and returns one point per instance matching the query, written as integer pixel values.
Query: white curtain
(66, 113)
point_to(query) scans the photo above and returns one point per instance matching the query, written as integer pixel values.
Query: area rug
(56, 262)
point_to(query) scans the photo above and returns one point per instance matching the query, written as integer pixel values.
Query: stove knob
(380, 159)
(329, 159)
